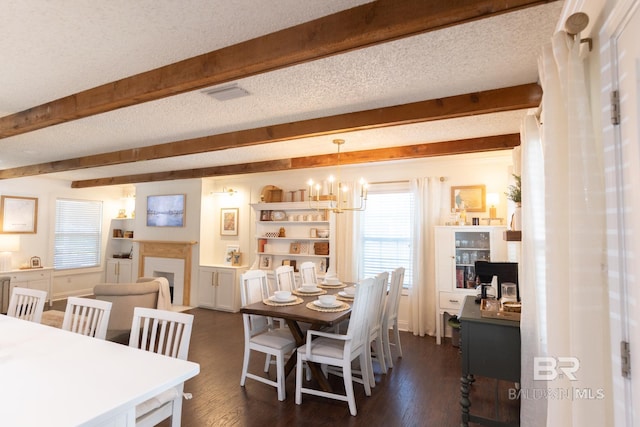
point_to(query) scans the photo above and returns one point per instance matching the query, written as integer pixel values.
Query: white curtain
(346, 252)
(428, 204)
(565, 311)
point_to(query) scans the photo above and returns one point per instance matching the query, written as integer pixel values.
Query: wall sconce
(225, 190)
(8, 243)
(492, 200)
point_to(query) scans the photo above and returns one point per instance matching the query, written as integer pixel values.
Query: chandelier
(338, 192)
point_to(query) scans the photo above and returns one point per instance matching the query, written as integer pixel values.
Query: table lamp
(492, 201)
(8, 243)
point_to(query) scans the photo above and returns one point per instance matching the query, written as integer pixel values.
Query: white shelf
(287, 254)
(316, 239)
(295, 222)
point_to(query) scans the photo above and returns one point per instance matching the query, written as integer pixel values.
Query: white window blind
(386, 234)
(78, 234)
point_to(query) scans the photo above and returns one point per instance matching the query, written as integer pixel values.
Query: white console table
(34, 278)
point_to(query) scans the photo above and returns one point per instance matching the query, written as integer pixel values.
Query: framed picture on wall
(166, 211)
(266, 262)
(229, 221)
(19, 214)
(468, 197)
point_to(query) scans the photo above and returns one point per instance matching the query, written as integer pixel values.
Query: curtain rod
(576, 23)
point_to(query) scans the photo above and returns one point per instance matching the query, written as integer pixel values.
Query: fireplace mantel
(168, 249)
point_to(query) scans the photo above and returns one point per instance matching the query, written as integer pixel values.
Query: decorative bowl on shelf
(323, 234)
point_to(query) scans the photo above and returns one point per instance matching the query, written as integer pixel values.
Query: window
(387, 233)
(78, 234)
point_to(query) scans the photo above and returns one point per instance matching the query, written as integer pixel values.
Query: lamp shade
(9, 243)
(492, 200)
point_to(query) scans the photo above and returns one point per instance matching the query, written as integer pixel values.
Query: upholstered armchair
(148, 292)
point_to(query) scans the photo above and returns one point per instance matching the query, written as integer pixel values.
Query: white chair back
(390, 320)
(360, 317)
(254, 288)
(27, 304)
(167, 333)
(161, 331)
(308, 272)
(87, 316)
(285, 278)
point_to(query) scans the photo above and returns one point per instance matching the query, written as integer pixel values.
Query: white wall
(491, 169)
(203, 208)
(46, 190)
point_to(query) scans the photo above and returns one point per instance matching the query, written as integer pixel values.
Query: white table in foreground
(50, 377)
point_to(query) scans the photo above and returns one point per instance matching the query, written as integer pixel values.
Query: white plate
(346, 295)
(274, 299)
(320, 304)
(334, 285)
(310, 291)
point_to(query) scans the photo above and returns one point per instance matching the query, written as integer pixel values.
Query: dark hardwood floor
(423, 388)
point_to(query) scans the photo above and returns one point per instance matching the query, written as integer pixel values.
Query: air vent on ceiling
(224, 93)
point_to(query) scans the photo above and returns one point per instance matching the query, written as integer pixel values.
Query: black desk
(490, 348)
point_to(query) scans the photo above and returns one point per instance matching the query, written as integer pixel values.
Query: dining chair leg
(380, 353)
(267, 363)
(280, 378)
(348, 388)
(366, 373)
(245, 366)
(387, 349)
(176, 414)
(299, 380)
(396, 331)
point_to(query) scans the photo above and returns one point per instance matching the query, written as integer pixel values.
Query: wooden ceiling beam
(491, 101)
(474, 145)
(362, 26)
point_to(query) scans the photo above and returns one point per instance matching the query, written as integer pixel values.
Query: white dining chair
(308, 272)
(87, 316)
(375, 326)
(167, 333)
(340, 351)
(27, 304)
(285, 278)
(261, 335)
(390, 319)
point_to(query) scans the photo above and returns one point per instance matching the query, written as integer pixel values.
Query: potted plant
(514, 193)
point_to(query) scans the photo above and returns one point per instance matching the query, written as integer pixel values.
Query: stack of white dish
(349, 292)
(331, 281)
(282, 296)
(308, 288)
(327, 301)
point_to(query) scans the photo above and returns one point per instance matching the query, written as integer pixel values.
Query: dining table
(298, 314)
(52, 377)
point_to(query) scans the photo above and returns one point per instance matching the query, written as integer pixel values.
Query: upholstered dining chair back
(27, 304)
(87, 316)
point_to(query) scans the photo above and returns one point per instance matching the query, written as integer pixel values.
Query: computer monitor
(505, 272)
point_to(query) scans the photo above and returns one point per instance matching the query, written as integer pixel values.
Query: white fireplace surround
(172, 257)
(155, 265)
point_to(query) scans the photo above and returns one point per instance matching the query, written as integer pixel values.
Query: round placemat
(343, 285)
(341, 298)
(280, 304)
(342, 307)
(308, 294)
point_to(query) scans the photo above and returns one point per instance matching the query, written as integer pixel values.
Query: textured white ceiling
(49, 50)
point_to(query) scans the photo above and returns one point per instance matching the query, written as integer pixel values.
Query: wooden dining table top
(300, 312)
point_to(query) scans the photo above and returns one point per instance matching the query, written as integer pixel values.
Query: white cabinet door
(226, 290)
(119, 271)
(219, 288)
(207, 288)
